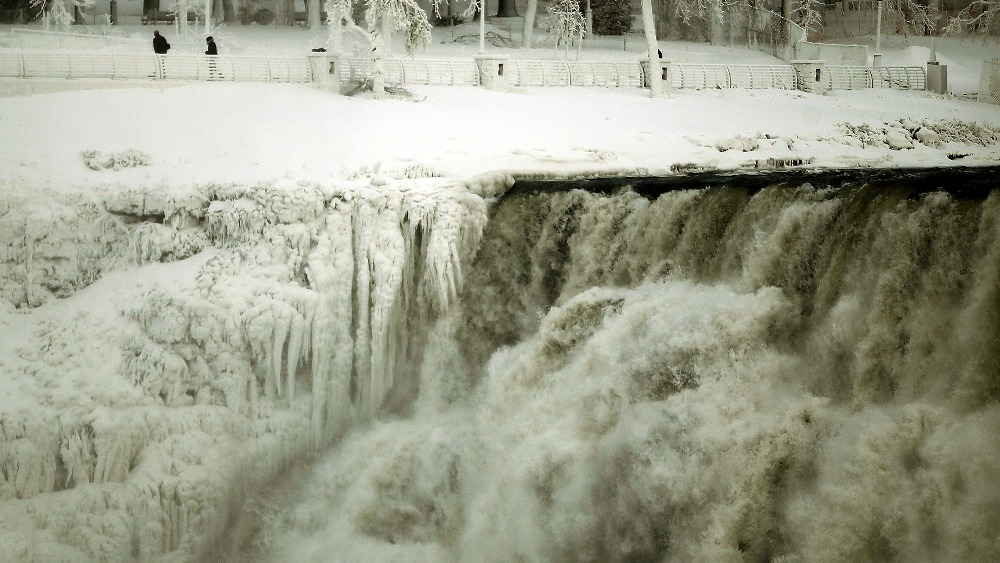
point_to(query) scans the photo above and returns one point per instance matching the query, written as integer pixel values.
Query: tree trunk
(529, 24)
(507, 9)
(387, 34)
(648, 26)
(315, 21)
(228, 11)
(715, 25)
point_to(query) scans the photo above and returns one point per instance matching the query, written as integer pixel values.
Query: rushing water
(747, 368)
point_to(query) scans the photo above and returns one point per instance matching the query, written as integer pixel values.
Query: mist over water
(789, 372)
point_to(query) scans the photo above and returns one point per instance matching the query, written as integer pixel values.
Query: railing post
(325, 69)
(809, 75)
(492, 72)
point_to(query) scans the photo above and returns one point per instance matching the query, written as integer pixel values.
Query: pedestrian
(160, 45)
(213, 51)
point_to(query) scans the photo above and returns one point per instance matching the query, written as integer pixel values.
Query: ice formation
(306, 315)
(796, 372)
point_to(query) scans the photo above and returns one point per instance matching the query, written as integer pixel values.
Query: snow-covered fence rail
(712, 76)
(438, 72)
(989, 82)
(163, 67)
(611, 74)
(848, 78)
(901, 77)
(860, 77)
(519, 73)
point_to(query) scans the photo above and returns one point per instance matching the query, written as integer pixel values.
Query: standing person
(160, 45)
(212, 51)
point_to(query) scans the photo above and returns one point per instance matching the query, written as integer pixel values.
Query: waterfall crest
(793, 372)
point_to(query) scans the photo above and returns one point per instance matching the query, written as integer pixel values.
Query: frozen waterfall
(787, 368)
(790, 371)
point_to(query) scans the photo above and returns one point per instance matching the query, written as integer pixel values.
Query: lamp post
(877, 59)
(482, 26)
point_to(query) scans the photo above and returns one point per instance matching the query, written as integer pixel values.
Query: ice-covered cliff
(296, 311)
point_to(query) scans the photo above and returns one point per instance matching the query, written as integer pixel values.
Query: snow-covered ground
(112, 438)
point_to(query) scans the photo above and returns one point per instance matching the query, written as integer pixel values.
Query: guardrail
(150, 66)
(445, 72)
(608, 74)
(519, 73)
(720, 76)
(438, 72)
(861, 77)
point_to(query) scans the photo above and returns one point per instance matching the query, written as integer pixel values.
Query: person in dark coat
(160, 45)
(212, 49)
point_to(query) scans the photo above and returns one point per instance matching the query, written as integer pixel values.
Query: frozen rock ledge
(135, 433)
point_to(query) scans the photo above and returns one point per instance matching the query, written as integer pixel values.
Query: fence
(835, 77)
(524, 73)
(710, 76)
(414, 71)
(163, 67)
(989, 83)
(519, 73)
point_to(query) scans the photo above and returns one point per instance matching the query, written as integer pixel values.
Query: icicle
(281, 322)
(363, 224)
(294, 345)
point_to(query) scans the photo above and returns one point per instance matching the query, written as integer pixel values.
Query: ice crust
(300, 317)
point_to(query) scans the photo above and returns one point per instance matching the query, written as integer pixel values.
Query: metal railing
(720, 76)
(438, 72)
(861, 77)
(444, 72)
(519, 73)
(150, 66)
(608, 74)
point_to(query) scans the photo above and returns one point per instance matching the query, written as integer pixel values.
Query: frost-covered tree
(529, 23)
(61, 11)
(980, 16)
(652, 48)
(394, 15)
(313, 16)
(566, 22)
(611, 17)
(910, 16)
(807, 14)
(181, 9)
